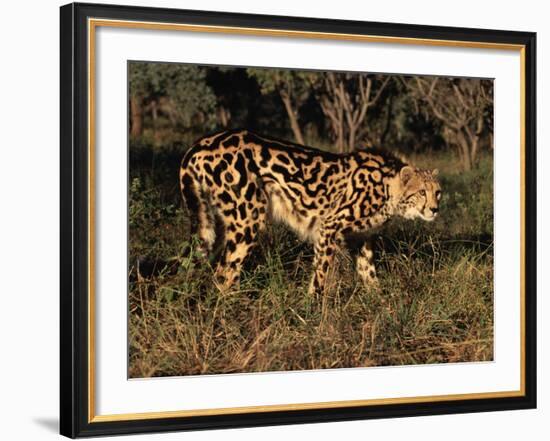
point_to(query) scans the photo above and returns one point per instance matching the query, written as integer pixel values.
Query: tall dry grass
(434, 305)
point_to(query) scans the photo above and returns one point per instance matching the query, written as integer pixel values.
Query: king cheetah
(237, 179)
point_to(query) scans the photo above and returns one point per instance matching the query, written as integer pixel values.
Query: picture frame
(80, 176)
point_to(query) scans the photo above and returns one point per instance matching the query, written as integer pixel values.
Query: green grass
(434, 305)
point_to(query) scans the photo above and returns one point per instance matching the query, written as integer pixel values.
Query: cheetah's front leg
(228, 272)
(324, 248)
(364, 264)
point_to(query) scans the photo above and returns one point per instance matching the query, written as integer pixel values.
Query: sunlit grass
(434, 305)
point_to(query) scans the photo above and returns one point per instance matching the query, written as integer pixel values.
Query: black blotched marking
(230, 213)
(226, 197)
(228, 157)
(216, 140)
(189, 193)
(218, 170)
(284, 159)
(248, 235)
(250, 190)
(240, 167)
(229, 177)
(265, 155)
(260, 195)
(251, 162)
(283, 171)
(208, 169)
(329, 172)
(250, 138)
(232, 141)
(361, 176)
(312, 223)
(242, 210)
(372, 168)
(230, 245)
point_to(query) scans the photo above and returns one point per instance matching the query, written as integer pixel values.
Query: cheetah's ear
(406, 173)
(435, 172)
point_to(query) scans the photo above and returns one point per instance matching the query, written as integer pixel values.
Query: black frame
(74, 220)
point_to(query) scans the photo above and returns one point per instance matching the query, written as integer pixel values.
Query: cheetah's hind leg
(240, 236)
(202, 222)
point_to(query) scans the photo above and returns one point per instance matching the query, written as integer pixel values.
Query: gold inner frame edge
(92, 25)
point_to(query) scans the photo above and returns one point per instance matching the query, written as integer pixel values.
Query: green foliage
(292, 82)
(183, 102)
(190, 101)
(294, 89)
(467, 196)
(156, 227)
(412, 130)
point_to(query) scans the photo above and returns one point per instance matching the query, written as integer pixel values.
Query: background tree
(293, 89)
(332, 110)
(238, 97)
(178, 92)
(463, 106)
(345, 99)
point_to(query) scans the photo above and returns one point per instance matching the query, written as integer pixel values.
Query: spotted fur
(236, 179)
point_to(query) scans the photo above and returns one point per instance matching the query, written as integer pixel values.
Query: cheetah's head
(419, 193)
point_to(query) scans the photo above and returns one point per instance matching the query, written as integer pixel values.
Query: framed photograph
(272, 220)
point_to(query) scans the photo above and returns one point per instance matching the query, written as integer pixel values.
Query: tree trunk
(351, 139)
(224, 116)
(136, 116)
(340, 141)
(293, 118)
(473, 150)
(155, 115)
(389, 118)
(473, 137)
(465, 153)
(340, 131)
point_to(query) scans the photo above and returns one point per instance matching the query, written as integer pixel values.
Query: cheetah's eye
(422, 192)
(438, 194)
